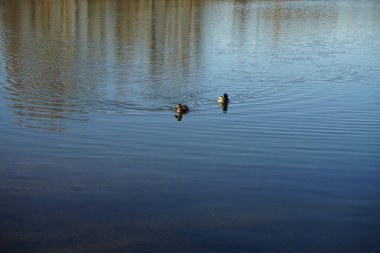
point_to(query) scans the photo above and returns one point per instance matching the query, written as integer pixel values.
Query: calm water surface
(93, 159)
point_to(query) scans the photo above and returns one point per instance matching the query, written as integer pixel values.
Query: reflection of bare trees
(36, 59)
(74, 50)
(63, 52)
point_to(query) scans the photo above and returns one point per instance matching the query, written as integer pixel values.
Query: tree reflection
(66, 59)
(63, 54)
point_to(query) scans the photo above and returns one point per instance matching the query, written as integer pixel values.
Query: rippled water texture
(93, 157)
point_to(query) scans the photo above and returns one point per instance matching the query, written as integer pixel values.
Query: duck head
(178, 108)
(181, 108)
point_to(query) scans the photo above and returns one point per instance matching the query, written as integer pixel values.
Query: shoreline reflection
(148, 53)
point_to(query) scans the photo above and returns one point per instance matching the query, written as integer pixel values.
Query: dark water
(92, 158)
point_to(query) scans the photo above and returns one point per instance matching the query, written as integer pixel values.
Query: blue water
(93, 159)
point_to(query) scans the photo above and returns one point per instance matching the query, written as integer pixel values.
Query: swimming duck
(181, 108)
(223, 99)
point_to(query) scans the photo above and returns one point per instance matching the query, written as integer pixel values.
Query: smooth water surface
(93, 159)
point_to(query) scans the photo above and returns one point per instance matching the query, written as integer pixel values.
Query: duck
(223, 99)
(181, 108)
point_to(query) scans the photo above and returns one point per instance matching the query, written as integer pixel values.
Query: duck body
(181, 108)
(223, 99)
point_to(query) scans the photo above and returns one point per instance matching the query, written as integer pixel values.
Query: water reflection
(224, 107)
(64, 60)
(179, 116)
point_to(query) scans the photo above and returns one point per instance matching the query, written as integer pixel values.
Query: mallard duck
(223, 99)
(182, 108)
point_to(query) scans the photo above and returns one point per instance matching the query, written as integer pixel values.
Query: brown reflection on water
(39, 85)
(61, 54)
(65, 58)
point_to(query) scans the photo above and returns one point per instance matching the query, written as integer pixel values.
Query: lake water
(94, 159)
